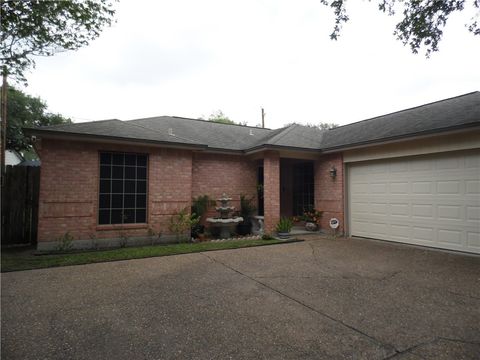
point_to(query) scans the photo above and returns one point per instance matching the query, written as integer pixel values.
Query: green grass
(26, 260)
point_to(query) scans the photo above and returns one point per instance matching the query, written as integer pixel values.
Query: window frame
(110, 193)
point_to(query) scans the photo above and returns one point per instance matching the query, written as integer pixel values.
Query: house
(411, 176)
(13, 157)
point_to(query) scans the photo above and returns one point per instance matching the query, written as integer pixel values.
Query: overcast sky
(190, 58)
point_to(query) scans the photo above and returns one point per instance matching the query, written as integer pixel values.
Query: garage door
(429, 200)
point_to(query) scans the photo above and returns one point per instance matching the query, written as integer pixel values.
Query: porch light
(333, 172)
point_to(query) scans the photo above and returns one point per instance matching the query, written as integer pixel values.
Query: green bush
(181, 224)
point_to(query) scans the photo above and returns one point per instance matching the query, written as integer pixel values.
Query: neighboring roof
(449, 114)
(13, 157)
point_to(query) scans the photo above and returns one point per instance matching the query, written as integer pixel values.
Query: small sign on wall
(334, 223)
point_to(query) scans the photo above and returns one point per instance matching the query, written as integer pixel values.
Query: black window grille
(123, 188)
(303, 188)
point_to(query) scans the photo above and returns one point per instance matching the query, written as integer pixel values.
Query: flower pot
(311, 226)
(283, 235)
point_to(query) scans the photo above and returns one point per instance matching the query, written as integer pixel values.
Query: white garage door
(429, 200)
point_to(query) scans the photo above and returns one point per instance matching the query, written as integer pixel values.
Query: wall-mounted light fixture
(333, 172)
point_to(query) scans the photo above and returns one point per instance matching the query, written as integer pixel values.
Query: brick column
(271, 190)
(328, 191)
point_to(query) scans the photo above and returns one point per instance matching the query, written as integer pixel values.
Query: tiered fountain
(225, 222)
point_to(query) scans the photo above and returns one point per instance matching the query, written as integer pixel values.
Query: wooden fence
(20, 205)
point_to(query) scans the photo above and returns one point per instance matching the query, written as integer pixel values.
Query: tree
(326, 126)
(27, 111)
(43, 28)
(219, 117)
(321, 126)
(422, 23)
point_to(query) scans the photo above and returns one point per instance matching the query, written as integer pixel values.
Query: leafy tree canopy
(422, 22)
(321, 125)
(43, 28)
(219, 117)
(26, 111)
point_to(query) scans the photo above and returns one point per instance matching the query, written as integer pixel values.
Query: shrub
(65, 242)
(247, 209)
(181, 224)
(200, 205)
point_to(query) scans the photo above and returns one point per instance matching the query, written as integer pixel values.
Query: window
(123, 188)
(303, 188)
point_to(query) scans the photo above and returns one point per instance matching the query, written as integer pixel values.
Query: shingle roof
(212, 134)
(448, 114)
(453, 113)
(118, 129)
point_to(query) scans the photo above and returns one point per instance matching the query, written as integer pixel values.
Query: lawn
(26, 260)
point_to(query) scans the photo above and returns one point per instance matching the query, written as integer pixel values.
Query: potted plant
(284, 226)
(247, 209)
(311, 218)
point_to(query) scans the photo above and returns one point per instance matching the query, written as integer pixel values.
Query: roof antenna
(263, 118)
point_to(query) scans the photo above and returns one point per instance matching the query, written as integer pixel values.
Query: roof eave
(265, 147)
(68, 135)
(389, 140)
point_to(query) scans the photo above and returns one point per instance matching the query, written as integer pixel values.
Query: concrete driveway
(319, 299)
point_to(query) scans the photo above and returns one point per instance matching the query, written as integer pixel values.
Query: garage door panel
(450, 212)
(472, 161)
(473, 240)
(399, 187)
(472, 187)
(422, 187)
(400, 232)
(377, 188)
(448, 236)
(473, 214)
(423, 211)
(400, 210)
(427, 200)
(423, 234)
(449, 187)
(448, 162)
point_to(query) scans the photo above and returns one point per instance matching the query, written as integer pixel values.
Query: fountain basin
(225, 225)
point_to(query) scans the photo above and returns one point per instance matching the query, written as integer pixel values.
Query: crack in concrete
(412, 349)
(387, 347)
(459, 341)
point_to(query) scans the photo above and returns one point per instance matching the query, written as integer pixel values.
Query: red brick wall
(70, 179)
(328, 191)
(214, 174)
(69, 189)
(271, 188)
